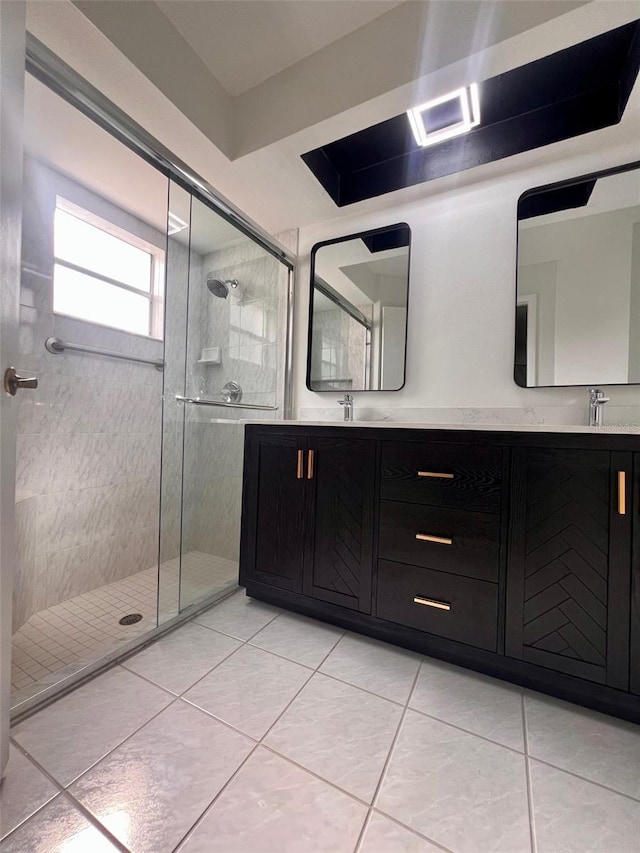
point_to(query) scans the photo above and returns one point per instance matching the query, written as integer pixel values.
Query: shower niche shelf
(210, 355)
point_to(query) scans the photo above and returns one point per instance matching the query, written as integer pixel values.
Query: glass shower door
(233, 369)
(89, 439)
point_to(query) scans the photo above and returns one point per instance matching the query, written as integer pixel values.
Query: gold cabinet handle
(300, 464)
(310, 465)
(439, 540)
(439, 475)
(622, 492)
(431, 602)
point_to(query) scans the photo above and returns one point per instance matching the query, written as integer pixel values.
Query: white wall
(592, 278)
(462, 284)
(634, 318)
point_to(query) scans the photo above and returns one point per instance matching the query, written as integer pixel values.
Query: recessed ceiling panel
(575, 91)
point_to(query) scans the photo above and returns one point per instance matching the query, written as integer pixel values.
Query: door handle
(13, 382)
(299, 464)
(310, 465)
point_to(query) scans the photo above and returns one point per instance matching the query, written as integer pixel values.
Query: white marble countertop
(607, 429)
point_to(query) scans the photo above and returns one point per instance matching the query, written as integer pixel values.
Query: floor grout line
(61, 791)
(374, 800)
(584, 779)
(315, 775)
(144, 677)
(258, 744)
(410, 829)
(213, 716)
(527, 770)
(363, 830)
(467, 731)
(203, 815)
(387, 762)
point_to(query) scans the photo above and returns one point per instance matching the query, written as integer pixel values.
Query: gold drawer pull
(437, 474)
(310, 465)
(622, 493)
(430, 602)
(439, 540)
(299, 468)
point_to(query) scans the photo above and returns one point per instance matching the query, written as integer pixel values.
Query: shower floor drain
(131, 619)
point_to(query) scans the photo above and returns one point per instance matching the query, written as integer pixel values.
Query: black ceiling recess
(557, 199)
(574, 91)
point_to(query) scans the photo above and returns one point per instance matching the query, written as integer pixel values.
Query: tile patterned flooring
(61, 640)
(249, 730)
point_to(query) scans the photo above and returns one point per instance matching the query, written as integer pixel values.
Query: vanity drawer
(455, 475)
(448, 540)
(460, 609)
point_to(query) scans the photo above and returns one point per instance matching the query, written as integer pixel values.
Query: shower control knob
(231, 392)
(12, 382)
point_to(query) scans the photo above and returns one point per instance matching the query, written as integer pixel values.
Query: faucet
(347, 402)
(596, 407)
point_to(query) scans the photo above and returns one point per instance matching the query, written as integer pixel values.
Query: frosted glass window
(87, 298)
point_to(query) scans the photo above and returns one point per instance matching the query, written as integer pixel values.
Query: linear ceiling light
(445, 117)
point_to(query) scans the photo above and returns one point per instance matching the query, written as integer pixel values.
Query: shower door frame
(12, 39)
(50, 70)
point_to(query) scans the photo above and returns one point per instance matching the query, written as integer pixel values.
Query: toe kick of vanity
(512, 553)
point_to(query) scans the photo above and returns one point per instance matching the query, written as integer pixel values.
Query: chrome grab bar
(198, 401)
(56, 346)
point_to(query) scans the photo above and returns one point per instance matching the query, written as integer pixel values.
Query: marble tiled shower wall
(88, 454)
(336, 364)
(250, 329)
(246, 326)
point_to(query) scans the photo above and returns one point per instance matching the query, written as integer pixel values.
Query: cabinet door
(569, 562)
(339, 555)
(273, 511)
(635, 582)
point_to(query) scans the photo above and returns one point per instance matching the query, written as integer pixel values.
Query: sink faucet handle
(347, 404)
(596, 406)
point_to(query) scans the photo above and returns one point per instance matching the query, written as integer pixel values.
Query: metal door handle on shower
(198, 401)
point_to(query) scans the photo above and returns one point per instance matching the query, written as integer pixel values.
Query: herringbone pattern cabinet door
(341, 566)
(561, 565)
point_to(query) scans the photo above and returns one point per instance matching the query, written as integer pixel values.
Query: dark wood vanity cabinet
(307, 520)
(634, 682)
(569, 573)
(515, 554)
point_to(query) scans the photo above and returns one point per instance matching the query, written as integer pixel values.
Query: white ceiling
(244, 42)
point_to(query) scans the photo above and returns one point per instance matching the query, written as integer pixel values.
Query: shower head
(221, 288)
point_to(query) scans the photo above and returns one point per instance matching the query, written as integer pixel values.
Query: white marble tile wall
(89, 439)
(213, 488)
(250, 329)
(247, 326)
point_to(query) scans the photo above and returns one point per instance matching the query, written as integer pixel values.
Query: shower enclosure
(225, 340)
(156, 321)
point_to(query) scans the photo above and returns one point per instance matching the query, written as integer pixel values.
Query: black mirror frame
(314, 249)
(548, 188)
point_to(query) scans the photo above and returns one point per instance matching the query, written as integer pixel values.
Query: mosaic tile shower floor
(61, 640)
